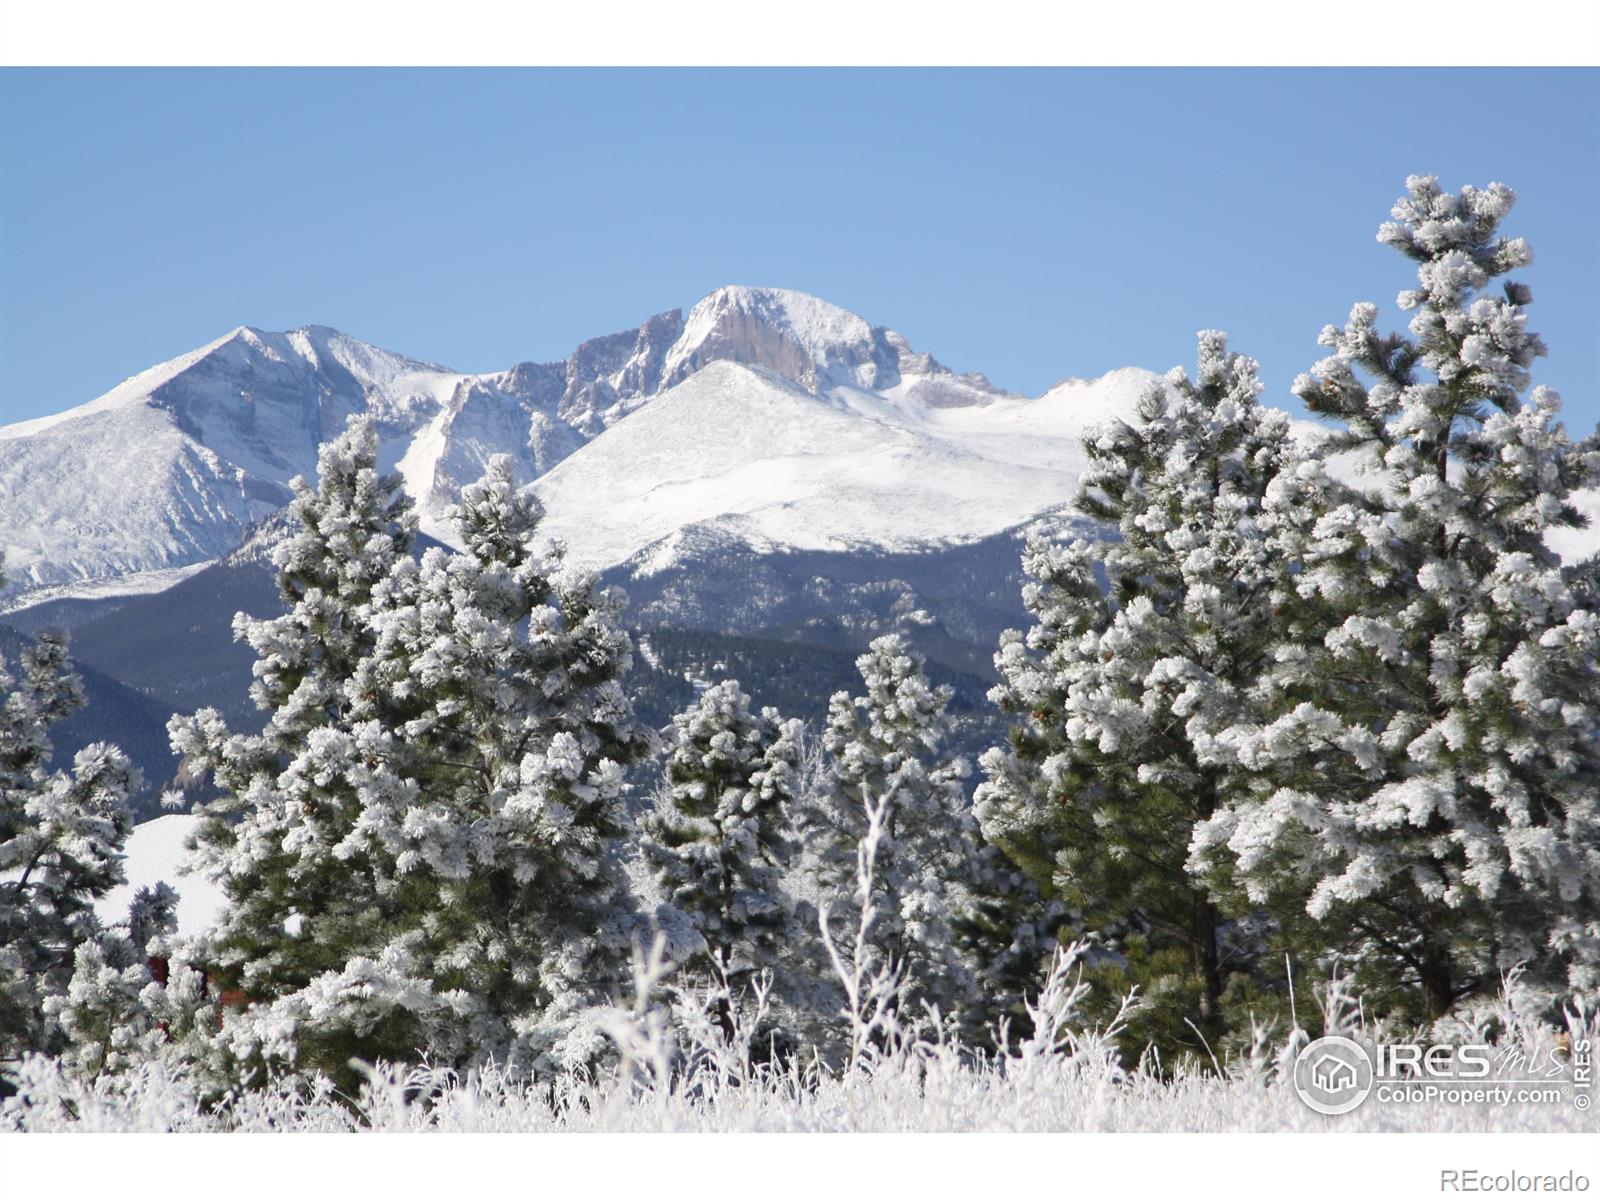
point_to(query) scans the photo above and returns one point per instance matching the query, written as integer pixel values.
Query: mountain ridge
(173, 466)
(761, 415)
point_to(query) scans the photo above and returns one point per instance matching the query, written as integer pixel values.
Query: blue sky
(1030, 224)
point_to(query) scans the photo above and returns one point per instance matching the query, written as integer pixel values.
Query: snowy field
(675, 1070)
(932, 1093)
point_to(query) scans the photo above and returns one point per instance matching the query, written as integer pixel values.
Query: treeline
(1313, 704)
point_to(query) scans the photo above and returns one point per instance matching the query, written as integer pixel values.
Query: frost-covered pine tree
(884, 748)
(721, 833)
(1006, 931)
(315, 936)
(107, 1011)
(1118, 694)
(422, 848)
(499, 791)
(61, 839)
(1428, 785)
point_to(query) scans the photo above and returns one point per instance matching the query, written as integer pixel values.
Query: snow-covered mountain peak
(765, 415)
(172, 465)
(808, 341)
(136, 389)
(323, 347)
(818, 327)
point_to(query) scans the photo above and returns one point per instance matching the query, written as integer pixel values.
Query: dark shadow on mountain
(788, 625)
(113, 712)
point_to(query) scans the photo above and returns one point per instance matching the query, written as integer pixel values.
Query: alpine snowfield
(759, 457)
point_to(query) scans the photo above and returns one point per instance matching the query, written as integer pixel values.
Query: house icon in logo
(1333, 1074)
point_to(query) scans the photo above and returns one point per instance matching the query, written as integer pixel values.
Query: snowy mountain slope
(169, 468)
(742, 450)
(765, 416)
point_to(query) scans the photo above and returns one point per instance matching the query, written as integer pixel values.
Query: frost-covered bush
(680, 1072)
(105, 1013)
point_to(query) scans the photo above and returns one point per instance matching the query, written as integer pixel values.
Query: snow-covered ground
(155, 854)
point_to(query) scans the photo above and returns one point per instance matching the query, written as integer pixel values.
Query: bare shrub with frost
(679, 1070)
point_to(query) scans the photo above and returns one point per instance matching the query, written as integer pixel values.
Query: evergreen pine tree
(61, 839)
(423, 847)
(314, 937)
(1428, 781)
(1119, 694)
(720, 834)
(499, 791)
(884, 748)
(1006, 930)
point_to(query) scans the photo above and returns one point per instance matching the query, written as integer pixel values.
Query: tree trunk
(724, 1012)
(1203, 929)
(1438, 988)
(1207, 962)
